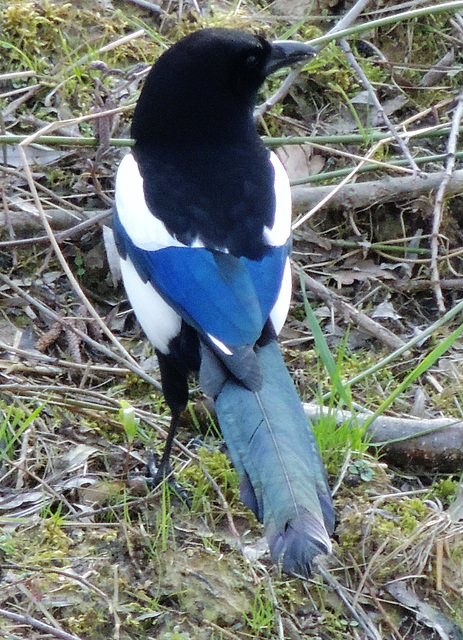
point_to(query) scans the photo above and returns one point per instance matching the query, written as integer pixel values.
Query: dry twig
(372, 93)
(129, 363)
(357, 612)
(439, 201)
(26, 619)
(76, 286)
(361, 320)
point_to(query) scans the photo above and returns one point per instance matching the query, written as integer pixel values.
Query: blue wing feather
(267, 275)
(227, 297)
(213, 290)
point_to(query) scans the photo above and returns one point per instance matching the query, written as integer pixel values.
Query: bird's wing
(227, 299)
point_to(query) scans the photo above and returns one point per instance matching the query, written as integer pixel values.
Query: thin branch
(439, 201)
(147, 5)
(344, 45)
(43, 483)
(393, 18)
(124, 40)
(93, 343)
(395, 165)
(55, 365)
(14, 75)
(360, 319)
(417, 339)
(65, 204)
(38, 624)
(378, 164)
(333, 191)
(226, 509)
(341, 31)
(71, 141)
(72, 279)
(71, 575)
(272, 142)
(357, 612)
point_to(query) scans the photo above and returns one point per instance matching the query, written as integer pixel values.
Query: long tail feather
(282, 478)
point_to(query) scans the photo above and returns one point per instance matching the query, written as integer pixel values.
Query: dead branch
(455, 284)
(372, 327)
(126, 362)
(350, 196)
(366, 194)
(439, 201)
(345, 47)
(426, 443)
(25, 220)
(27, 619)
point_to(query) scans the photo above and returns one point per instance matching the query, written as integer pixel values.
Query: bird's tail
(282, 477)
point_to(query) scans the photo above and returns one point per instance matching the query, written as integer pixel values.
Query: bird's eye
(252, 61)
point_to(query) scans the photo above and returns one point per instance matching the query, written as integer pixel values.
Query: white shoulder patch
(279, 233)
(144, 229)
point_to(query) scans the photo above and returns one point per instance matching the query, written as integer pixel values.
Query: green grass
(16, 419)
(261, 617)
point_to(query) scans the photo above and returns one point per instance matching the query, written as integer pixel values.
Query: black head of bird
(208, 80)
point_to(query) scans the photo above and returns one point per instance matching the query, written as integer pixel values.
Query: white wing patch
(221, 345)
(281, 307)
(158, 320)
(280, 231)
(143, 228)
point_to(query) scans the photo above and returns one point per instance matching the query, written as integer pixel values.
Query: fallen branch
(27, 619)
(350, 196)
(364, 194)
(426, 443)
(423, 285)
(360, 319)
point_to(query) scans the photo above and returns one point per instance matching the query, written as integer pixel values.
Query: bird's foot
(158, 473)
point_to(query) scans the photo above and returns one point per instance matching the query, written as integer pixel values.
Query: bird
(202, 224)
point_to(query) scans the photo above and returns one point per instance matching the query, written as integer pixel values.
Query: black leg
(163, 469)
(175, 388)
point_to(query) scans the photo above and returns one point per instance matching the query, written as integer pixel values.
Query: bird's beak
(285, 53)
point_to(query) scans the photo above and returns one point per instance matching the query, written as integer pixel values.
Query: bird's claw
(157, 474)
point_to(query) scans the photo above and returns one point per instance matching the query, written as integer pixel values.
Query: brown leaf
(361, 270)
(299, 161)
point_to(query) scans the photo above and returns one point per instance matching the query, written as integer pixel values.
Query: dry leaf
(112, 255)
(385, 310)
(299, 161)
(426, 614)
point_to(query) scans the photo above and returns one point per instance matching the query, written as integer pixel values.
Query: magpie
(202, 223)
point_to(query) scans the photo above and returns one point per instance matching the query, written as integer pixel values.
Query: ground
(88, 550)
